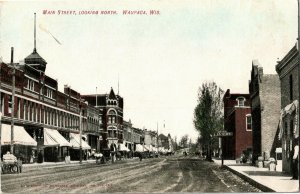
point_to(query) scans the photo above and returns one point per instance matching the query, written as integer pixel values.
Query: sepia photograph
(149, 96)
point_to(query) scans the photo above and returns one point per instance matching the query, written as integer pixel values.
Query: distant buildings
(238, 120)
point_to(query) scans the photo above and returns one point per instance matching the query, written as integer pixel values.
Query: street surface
(164, 174)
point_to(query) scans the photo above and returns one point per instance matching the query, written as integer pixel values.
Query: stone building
(264, 92)
(238, 120)
(288, 69)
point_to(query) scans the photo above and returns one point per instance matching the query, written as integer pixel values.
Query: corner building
(110, 108)
(238, 120)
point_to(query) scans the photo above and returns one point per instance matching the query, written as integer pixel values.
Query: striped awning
(53, 138)
(21, 137)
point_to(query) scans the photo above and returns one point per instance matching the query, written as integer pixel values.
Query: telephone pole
(12, 102)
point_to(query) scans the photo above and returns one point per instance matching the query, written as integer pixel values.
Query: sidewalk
(262, 178)
(55, 164)
(52, 164)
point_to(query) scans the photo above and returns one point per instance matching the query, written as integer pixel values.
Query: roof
(112, 94)
(35, 58)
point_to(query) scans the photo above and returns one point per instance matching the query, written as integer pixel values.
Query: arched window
(112, 115)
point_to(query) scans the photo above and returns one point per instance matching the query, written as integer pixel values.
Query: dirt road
(165, 174)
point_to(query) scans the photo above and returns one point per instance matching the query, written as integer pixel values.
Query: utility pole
(1, 105)
(157, 137)
(80, 134)
(12, 102)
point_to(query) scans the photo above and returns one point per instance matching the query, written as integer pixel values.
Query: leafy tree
(184, 141)
(208, 114)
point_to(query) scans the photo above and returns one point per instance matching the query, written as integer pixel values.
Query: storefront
(56, 147)
(288, 126)
(24, 144)
(75, 147)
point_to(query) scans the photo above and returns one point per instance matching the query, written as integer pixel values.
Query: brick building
(264, 92)
(238, 120)
(49, 116)
(110, 116)
(288, 69)
(46, 122)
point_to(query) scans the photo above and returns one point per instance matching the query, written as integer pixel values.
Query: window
(248, 122)
(112, 116)
(30, 85)
(291, 87)
(10, 104)
(49, 93)
(1, 103)
(241, 101)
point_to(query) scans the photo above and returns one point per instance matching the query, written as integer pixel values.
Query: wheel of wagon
(5, 168)
(14, 168)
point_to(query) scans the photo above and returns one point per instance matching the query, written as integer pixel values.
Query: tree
(184, 141)
(208, 114)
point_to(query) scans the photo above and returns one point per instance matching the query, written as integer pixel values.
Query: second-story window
(49, 93)
(248, 122)
(30, 85)
(10, 104)
(240, 101)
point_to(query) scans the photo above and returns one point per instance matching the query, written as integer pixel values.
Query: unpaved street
(165, 174)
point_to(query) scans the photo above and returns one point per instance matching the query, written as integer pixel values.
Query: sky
(158, 60)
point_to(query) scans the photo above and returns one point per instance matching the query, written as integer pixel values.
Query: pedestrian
(140, 156)
(295, 159)
(20, 163)
(40, 157)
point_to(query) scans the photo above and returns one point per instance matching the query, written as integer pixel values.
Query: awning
(278, 150)
(289, 109)
(122, 147)
(54, 138)
(21, 137)
(162, 149)
(140, 148)
(75, 142)
(150, 147)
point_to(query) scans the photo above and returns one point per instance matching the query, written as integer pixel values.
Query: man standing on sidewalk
(295, 159)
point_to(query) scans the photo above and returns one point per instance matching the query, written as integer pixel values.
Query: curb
(254, 183)
(28, 167)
